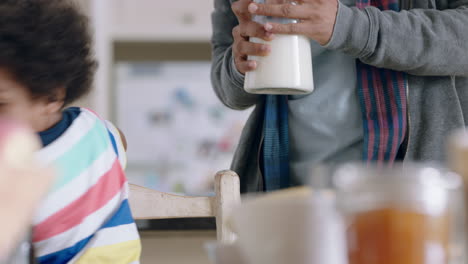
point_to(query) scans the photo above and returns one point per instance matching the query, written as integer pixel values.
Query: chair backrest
(458, 162)
(152, 204)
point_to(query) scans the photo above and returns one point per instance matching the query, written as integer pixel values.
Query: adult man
(390, 76)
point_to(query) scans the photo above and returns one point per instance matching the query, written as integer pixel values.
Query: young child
(46, 62)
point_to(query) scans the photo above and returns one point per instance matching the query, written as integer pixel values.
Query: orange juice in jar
(404, 215)
(391, 235)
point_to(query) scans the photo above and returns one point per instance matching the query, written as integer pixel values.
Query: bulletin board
(179, 134)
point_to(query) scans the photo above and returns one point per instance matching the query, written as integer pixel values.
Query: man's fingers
(279, 10)
(243, 65)
(256, 30)
(246, 48)
(288, 29)
(240, 9)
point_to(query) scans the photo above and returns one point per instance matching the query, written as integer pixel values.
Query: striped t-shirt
(86, 217)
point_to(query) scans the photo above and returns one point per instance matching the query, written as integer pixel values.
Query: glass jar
(408, 214)
(288, 67)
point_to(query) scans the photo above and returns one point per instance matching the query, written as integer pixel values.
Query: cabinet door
(158, 20)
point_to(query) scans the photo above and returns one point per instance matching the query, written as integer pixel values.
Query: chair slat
(152, 204)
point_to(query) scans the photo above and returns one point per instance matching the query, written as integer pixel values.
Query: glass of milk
(288, 68)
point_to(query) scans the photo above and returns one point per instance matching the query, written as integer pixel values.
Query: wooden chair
(458, 161)
(151, 204)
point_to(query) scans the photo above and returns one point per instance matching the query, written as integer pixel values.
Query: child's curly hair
(46, 45)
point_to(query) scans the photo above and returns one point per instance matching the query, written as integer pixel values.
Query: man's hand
(317, 17)
(247, 28)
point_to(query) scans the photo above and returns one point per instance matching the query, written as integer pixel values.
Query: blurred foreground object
(224, 253)
(458, 160)
(407, 214)
(22, 182)
(295, 225)
(18, 144)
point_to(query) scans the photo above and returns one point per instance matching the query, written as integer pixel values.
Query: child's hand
(22, 181)
(21, 189)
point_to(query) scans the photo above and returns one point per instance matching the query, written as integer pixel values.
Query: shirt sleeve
(117, 143)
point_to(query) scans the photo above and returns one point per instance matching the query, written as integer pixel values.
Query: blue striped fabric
(276, 143)
(114, 143)
(382, 94)
(122, 216)
(65, 255)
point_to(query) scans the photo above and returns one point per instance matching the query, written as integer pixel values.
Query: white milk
(286, 70)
